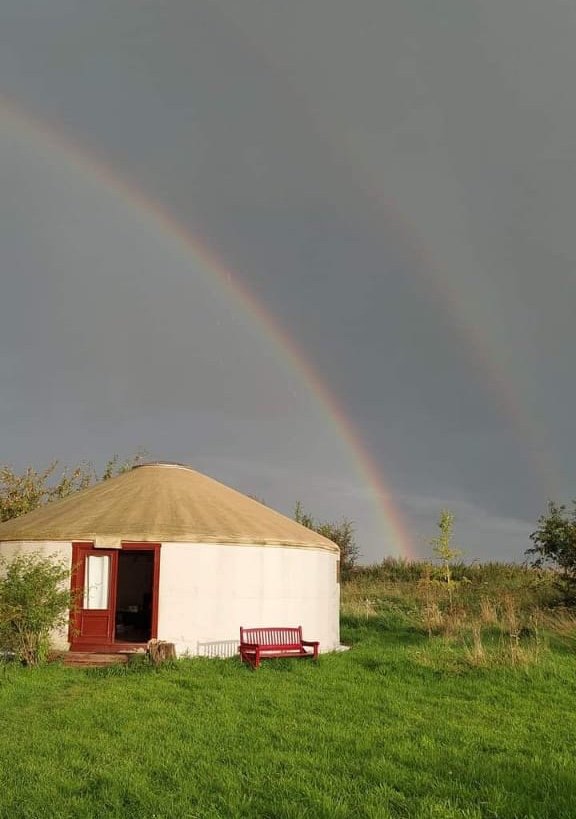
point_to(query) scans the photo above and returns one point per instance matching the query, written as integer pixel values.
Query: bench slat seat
(261, 643)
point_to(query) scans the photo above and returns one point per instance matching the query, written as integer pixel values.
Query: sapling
(446, 552)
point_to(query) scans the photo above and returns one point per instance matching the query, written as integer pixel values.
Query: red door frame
(150, 547)
(78, 615)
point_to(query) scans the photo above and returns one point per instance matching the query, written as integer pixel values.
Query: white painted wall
(207, 591)
(61, 551)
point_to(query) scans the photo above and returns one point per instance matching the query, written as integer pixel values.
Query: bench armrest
(314, 645)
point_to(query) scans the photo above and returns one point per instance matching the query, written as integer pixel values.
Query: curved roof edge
(162, 502)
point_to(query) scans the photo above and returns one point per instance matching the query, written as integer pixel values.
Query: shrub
(341, 533)
(34, 600)
(555, 546)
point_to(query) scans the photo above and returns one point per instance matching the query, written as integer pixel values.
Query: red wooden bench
(259, 643)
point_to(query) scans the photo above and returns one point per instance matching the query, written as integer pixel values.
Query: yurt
(164, 552)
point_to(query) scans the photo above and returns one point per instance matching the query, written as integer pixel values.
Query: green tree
(555, 543)
(445, 551)
(341, 533)
(35, 599)
(25, 491)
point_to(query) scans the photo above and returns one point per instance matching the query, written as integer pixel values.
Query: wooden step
(85, 659)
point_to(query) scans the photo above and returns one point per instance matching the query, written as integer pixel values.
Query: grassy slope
(378, 731)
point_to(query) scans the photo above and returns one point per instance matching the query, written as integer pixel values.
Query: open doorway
(134, 596)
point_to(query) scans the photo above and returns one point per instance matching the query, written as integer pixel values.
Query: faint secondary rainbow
(456, 294)
(460, 304)
(396, 533)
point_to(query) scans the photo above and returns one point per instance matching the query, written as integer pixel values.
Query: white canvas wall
(207, 591)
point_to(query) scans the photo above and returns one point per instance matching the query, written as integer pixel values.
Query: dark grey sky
(394, 182)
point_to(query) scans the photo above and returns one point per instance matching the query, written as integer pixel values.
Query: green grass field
(399, 726)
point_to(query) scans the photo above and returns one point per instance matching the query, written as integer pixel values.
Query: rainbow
(396, 535)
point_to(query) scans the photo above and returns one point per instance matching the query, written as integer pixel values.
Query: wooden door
(94, 574)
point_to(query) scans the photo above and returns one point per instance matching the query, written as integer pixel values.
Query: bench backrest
(289, 636)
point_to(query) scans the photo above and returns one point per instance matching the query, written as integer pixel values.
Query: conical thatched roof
(161, 503)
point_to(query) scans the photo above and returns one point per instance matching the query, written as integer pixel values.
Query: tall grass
(397, 578)
(494, 613)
